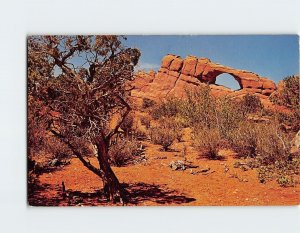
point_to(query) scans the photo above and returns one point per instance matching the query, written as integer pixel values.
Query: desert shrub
(270, 149)
(163, 135)
(272, 145)
(140, 132)
(124, 152)
(175, 124)
(200, 108)
(127, 124)
(289, 121)
(284, 172)
(264, 140)
(288, 95)
(251, 103)
(169, 108)
(228, 114)
(244, 140)
(148, 103)
(146, 121)
(208, 142)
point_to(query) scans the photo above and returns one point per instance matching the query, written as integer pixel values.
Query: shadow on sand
(46, 195)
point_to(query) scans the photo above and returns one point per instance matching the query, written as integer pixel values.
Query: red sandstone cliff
(177, 74)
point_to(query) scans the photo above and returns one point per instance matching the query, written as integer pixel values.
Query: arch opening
(227, 80)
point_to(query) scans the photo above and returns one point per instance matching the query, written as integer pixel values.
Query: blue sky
(271, 56)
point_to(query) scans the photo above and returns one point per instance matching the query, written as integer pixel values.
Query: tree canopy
(76, 85)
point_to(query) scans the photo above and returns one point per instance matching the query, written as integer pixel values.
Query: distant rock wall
(177, 74)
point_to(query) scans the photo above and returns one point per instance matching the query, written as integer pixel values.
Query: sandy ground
(153, 182)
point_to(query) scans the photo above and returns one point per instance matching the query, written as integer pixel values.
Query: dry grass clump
(162, 136)
(166, 132)
(288, 95)
(251, 103)
(244, 140)
(124, 151)
(146, 121)
(148, 103)
(208, 142)
(127, 124)
(172, 107)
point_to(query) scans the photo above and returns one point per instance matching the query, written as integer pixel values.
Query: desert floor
(153, 182)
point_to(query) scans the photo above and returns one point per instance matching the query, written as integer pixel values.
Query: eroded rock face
(176, 75)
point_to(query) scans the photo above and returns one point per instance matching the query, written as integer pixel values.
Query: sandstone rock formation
(177, 74)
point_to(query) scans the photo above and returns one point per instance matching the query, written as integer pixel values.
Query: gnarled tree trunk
(112, 187)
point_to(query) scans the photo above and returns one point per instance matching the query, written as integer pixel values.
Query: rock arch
(176, 75)
(228, 81)
(204, 70)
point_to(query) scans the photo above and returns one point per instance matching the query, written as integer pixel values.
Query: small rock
(177, 165)
(181, 165)
(245, 167)
(205, 169)
(233, 176)
(54, 162)
(226, 169)
(161, 157)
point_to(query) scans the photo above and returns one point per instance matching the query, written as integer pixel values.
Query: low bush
(288, 94)
(124, 152)
(251, 103)
(244, 140)
(286, 173)
(148, 103)
(289, 121)
(127, 124)
(208, 142)
(172, 107)
(146, 121)
(272, 145)
(163, 136)
(140, 132)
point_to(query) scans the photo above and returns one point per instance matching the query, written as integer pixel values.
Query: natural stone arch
(229, 81)
(177, 74)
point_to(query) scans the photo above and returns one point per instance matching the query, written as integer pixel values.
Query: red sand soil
(153, 182)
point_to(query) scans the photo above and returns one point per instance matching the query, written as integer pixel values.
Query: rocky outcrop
(176, 75)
